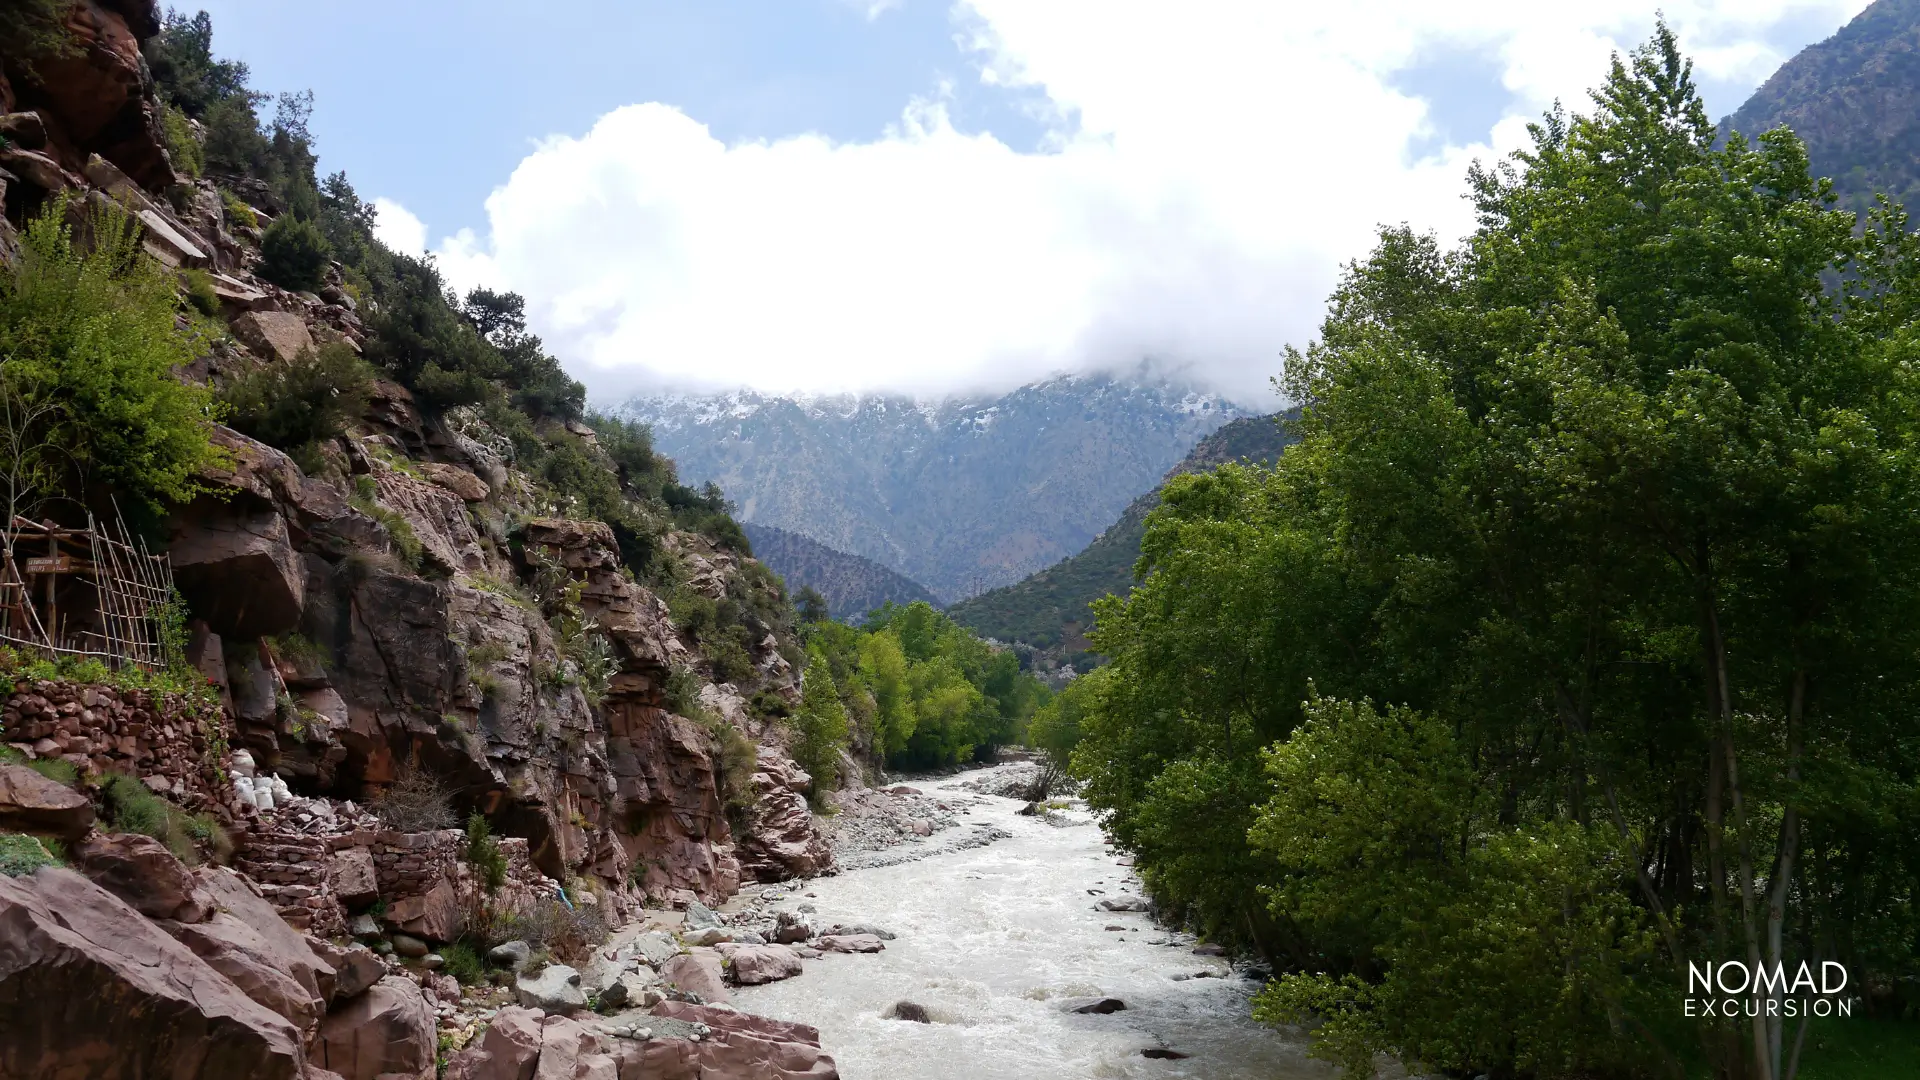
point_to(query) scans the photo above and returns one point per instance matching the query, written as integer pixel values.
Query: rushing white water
(991, 940)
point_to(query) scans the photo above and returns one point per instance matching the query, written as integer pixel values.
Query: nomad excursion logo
(1734, 988)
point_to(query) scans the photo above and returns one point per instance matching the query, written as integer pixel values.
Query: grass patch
(132, 808)
(1858, 1048)
(464, 963)
(21, 855)
(405, 544)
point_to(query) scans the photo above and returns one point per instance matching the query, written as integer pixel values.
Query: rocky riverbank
(887, 826)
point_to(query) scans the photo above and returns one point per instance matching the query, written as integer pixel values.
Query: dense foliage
(303, 402)
(88, 347)
(919, 690)
(1574, 641)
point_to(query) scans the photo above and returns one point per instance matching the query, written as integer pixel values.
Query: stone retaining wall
(421, 878)
(154, 737)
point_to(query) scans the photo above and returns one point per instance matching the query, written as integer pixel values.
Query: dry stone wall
(159, 738)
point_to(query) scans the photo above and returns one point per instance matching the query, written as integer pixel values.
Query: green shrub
(484, 854)
(682, 694)
(182, 147)
(22, 855)
(32, 30)
(88, 351)
(464, 963)
(293, 254)
(199, 290)
(238, 212)
(307, 400)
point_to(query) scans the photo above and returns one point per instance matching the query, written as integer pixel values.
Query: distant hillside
(1048, 611)
(851, 585)
(961, 495)
(1855, 100)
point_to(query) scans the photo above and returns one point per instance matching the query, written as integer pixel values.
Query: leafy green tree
(821, 726)
(883, 667)
(185, 70)
(1621, 494)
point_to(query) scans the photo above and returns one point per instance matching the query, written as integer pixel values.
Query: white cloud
(397, 227)
(1223, 160)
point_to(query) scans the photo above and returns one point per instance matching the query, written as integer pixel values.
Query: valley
(388, 693)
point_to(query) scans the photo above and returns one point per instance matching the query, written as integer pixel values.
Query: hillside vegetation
(850, 586)
(914, 690)
(1854, 100)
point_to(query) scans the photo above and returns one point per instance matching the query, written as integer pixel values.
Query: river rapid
(992, 940)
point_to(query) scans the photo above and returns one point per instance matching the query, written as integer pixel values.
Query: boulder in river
(1124, 903)
(846, 929)
(1095, 1006)
(849, 943)
(751, 965)
(907, 1010)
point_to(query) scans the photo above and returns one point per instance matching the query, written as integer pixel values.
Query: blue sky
(936, 195)
(432, 103)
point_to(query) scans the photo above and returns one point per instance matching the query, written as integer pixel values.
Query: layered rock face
(407, 617)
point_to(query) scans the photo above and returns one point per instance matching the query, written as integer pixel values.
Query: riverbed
(995, 942)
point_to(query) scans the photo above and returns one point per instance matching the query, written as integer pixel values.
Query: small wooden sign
(50, 564)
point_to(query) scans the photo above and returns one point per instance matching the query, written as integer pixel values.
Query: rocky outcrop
(30, 802)
(91, 988)
(387, 1032)
(676, 1041)
(782, 841)
(737, 1045)
(95, 96)
(273, 335)
(141, 871)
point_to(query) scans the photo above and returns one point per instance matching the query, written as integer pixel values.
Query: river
(991, 940)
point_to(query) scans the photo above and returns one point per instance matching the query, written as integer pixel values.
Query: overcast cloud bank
(1210, 167)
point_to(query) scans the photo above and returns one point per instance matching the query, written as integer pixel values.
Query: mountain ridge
(1854, 99)
(960, 494)
(851, 584)
(1048, 611)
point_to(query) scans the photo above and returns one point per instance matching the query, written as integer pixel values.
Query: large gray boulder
(556, 990)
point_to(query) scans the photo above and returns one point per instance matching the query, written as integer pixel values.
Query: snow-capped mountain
(962, 494)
